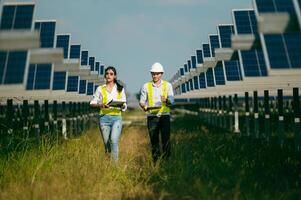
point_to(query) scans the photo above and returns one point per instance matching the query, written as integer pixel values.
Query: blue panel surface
(90, 88)
(43, 76)
(47, 33)
(97, 67)
(62, 41)
(253, 63)
(199, 55)
(264, 6)
(225, 34)
(182, 71)
(214, 43)
(245, 21)
(102, 68)
(196, 82)
(12, 67)
(183, 88)
(92, 63)
(210, 78)
(185, 68)
(189, 65)
(202, 80)
(187, 86)
(16, 17)
(206, 51)
(84, 58)
(75, 52)
(193, 62)
(233, 71)
(59, 80)
(191, 84)
(72, 83)
(82, 86)
(219, 74)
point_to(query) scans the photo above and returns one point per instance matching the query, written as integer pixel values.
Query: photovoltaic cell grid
(225, 34)
(199, 55)
(182, 71)
(219, 74)
(75, 52)
(245, 21)
(72, 83)
(210, 78)
(264, 6)
(193, 62)
(196, 82)
(47, 33)
(202, 80)
(191, 84)
(284, 50)
(92, 63)
(102, 68)
(252, 60)
(84, 58)
(39, 77)
(189, 65)
(59, 80)
(62, 41)
(185, 68)
(90, 87)
(82, 86)
(214, 43)
(97, 67)
(183, 88)
(17, 17)
(206, 51)
(13, 64)
(232, 70)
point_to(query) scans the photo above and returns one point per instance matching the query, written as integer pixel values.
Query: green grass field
(204, 164)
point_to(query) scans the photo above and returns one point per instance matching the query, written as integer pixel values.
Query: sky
(132, 35)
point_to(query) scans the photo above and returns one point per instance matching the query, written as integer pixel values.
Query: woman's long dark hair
(119, 86)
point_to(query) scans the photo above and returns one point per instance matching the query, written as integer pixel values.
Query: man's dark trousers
(157, 125)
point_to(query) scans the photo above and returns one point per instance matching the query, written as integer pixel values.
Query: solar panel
(206, 51)
(97, 67)
(232, 70)
(185, 68)
(264, 6)
(187, 86)
(75, 52)
(183, 88)
(189, 65)
(202, 80)
(225, 34)
(72, 83)
(214, 43)
(193, 62)
(210, 78)
(39, 77)
(59, 80)
(90, 87)
(12, 67)
(47, 33)
(196, 82)
(253, 63)
(17, 17)
(245, 21)
(182, 71)
(102, 68)
(219, 74)
(92, 63)
(62, 41)
(199, 55)
(191, 84)
(84, 58)
(14, 64)
(95, 88)
(82, 86)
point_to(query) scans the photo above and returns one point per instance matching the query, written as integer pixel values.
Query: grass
(204, 164)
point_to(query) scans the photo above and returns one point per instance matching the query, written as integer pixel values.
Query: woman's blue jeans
(110, 128)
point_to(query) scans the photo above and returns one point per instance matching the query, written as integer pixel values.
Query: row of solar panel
(267, 52)
(16, 67)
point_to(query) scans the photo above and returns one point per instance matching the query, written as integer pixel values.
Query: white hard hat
(157, 67)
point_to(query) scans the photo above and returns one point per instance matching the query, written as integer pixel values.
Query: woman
(110, 120)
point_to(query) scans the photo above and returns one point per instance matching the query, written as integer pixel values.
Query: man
(156, 98)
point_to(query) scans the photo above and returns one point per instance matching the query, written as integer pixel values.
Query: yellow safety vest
(164, 108)
(109, 111)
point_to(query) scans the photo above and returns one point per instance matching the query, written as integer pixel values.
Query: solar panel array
(16, 67)
(265, 52)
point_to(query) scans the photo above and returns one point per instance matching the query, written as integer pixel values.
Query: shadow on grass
(207, 164)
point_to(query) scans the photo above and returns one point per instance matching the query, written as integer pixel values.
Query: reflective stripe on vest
(109, 111)
(164, 108)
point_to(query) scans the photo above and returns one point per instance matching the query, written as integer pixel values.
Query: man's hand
(143, 106)
(103, 105)
(164, 99)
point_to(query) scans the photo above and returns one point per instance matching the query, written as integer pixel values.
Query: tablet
(116, 103)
